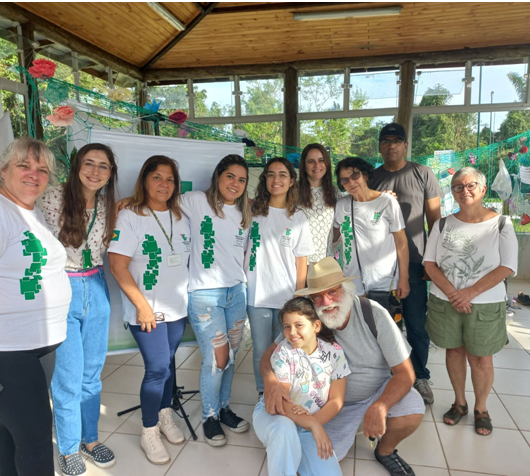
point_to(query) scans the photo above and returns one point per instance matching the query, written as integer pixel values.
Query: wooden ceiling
(231, 35)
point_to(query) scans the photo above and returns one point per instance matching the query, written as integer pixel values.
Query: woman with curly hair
(276, 257)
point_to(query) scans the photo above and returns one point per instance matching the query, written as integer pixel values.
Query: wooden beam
(141, 94)
(430, 58)
(53, 32)
(290, 107)
(199, 7)
(276, 6)
(179, 37)
(406, 95)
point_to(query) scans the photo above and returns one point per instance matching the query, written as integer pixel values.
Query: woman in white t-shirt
(34, 298)
(318, 197)
(81, 215)
(219, 221)
(149, 257)
(371, 227)
(276, 256)
(468, 256)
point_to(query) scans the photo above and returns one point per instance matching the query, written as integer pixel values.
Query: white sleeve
(432, 243)
(509, 247)
(126, 240)
(336, 223)
(3, 233)
(281, 365)
(396, 216)
(304, 244)
(185, 204)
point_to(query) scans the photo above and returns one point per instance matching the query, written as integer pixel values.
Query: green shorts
(483, 332)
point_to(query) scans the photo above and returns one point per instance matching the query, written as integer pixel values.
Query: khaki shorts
(483, 332)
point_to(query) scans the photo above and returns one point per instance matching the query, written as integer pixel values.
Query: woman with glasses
(149, 257)
(81, 215)
(371, 227)
(318, 197)
(276, 256)
(468, 256)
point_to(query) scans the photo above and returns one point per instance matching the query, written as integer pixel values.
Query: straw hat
(323, 275)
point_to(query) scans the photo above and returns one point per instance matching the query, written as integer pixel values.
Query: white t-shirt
(375, 221)
(467, 252)
(274, 243)
(310, 376)
(35, 291)
(161, 276)
(218, 244)
(51, 203)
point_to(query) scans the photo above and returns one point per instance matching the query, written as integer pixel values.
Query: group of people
(323, 361)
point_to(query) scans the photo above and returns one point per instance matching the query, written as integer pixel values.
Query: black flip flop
(523, 298)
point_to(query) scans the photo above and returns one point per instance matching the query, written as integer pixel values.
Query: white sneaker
(152, 445)
(168, 427)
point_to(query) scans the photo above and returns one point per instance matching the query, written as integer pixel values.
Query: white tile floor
(434, 449)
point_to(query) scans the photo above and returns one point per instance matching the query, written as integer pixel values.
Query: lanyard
(92, 222)
(168, 238)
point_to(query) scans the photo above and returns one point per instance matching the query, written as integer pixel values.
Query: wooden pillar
(32, 97)
(141, 94)
(290, 107)
(406, 95)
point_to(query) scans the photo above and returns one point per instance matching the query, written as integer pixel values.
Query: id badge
(174, 260)
(285, 241)
(87, 258)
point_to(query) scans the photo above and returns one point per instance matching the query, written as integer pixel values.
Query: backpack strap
(368, 315)
(441, 224)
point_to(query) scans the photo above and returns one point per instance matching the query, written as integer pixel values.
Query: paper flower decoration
(152, 106)
(178, 117)
(259, 152)
(119, 94)
(472, 159)
(451, 171)
(56, 92)
(522, 140)
(183, 133)
(512, 155)
(42, 68)
(294, 158)
(240, 134)
(248, 142)
(62, 116)
(523, 149)
(525, 220)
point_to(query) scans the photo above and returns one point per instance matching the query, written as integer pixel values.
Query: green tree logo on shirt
(29, 284)
(287, 232)
(347, 234)
(150, 248)
(255, 237)
(208, 232)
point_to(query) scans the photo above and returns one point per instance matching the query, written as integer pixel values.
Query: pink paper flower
(523, 149)
(183, 132)
(179, 116)
(451, 171)
(62, 116)
(42, 68)
(259, 152)
(472, 159)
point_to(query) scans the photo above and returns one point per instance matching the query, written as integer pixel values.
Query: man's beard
(338, 318)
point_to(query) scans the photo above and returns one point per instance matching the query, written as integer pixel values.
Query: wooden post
(290, 107)
(32, 94)
(406, 95)
(141, 94)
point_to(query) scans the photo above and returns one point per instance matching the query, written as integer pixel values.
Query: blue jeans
(217, 317)
(290, 449)
(158, 349)
(76, 383)
(264, 328)
(415, 315)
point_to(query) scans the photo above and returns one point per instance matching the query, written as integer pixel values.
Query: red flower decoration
(451, 171)
(259, 152)
(62, 116)
(179, 116)
(523, 149)
(42, 68)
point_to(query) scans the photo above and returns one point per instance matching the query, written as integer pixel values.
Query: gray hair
(481, 178)
(19, 150)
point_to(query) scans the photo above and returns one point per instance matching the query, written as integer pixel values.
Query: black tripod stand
(177, 404)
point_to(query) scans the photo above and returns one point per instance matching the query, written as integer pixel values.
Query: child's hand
(325, 448)
(299, 410)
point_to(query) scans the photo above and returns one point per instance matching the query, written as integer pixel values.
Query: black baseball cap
(393, 129)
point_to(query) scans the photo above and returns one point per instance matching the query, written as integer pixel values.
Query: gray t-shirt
(369, 359)
(413, 184)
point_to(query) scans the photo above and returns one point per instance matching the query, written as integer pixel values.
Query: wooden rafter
(180, 36)
(277, 6)
(59, 35)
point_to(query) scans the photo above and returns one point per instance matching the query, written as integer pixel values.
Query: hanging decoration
(178, 116)
(472, 158)
(56, 92)
(42, 68)
(119, 94)
(62, 116)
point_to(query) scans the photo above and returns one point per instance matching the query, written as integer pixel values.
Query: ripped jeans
(217, 317)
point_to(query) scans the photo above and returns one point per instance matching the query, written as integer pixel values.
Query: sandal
(456, 413)
(483, 421)
(523, 298)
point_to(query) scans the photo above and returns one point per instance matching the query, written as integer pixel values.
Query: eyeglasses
(103, 168)
(391, 141)
(460, 187)
(352, 177)
(160, 316)
(330, 293)
(281, 176)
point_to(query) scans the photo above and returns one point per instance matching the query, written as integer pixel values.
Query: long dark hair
(139, 197)
(260, 205)
(328, 192)
(73, 217)
(213, 195)
(304, 307)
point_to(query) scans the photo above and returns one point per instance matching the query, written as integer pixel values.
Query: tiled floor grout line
(440, 440)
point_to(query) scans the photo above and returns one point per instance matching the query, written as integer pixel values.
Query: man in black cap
(418, 194)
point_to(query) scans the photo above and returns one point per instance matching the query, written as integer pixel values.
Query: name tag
(187, 246)
(239, 241)
(285, 241)
(174, 260)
